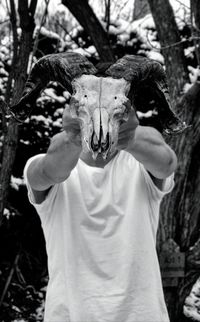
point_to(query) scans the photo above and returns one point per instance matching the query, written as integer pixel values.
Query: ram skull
(101, 101)
(101, 104)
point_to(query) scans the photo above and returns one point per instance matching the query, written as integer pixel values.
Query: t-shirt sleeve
(154, 191)
(46, 206)
(155, 196)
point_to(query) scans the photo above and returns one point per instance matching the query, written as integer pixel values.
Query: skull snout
(100, 140)
(100, 145)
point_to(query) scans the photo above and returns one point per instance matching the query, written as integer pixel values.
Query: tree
(86, 17)
(180, 212)
(21, 52)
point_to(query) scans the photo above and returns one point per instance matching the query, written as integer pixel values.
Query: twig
(13, 20)
(2, 22)
(171, 45)
(10, 277)
(20, 275)
(43, 20)
(183, 4)
(67, 32)
(120, 7)
(7, 6)
(193, 33)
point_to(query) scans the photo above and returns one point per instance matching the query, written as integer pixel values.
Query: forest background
(103, 31)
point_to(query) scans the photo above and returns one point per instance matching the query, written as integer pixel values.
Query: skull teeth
(95, 139)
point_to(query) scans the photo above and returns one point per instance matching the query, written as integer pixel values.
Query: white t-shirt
(100, 230)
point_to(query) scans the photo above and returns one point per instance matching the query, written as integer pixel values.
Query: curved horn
(62, 67)
(141, 72)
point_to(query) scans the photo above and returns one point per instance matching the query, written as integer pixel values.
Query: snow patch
(186, 87)
(58, 123)
(191, 307)
(58, 112)
(45, 32)
(40, 118)
(147, 114)
(52, 94)
(194, 73)
(156, 56)
(16, 182)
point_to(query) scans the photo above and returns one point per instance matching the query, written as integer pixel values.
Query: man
(100, 219)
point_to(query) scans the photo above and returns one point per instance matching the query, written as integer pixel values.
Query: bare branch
(171, 45)
(7, 6)
(32, 7)
(10, 277)
(2, 22)
(68, 33)
(13, 20)
(43, 20)
(183, 4)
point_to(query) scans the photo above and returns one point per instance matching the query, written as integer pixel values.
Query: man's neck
(86, 156)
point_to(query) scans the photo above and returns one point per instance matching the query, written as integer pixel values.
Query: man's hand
(127, 131)
(61, 157)
(72, 127)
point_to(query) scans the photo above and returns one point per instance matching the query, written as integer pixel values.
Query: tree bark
(82, 11)
(10, 142)
(168, 36)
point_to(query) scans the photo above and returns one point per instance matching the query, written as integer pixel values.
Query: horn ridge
(60, 67)
(140, 71)
(137, 68)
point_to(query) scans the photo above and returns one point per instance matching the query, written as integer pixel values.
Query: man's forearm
(149, 148)
(56, 165)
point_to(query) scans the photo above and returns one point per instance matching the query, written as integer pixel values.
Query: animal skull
(100, 103)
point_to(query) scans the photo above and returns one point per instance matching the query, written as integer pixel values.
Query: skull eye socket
(115, 97)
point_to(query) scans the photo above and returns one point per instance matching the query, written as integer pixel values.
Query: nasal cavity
(105, 144)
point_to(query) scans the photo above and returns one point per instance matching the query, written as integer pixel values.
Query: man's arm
(61, 157)
(149, 148)
(147, 145)
(56, 165)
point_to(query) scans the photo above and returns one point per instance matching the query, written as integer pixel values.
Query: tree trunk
(195, 8)
(11, 134)
(173, 54)
(179, 218)
(82, 11)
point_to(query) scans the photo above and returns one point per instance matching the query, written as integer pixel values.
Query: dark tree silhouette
(21, 52)
(82, 11)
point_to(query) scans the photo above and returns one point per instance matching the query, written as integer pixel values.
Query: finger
(67, 115)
